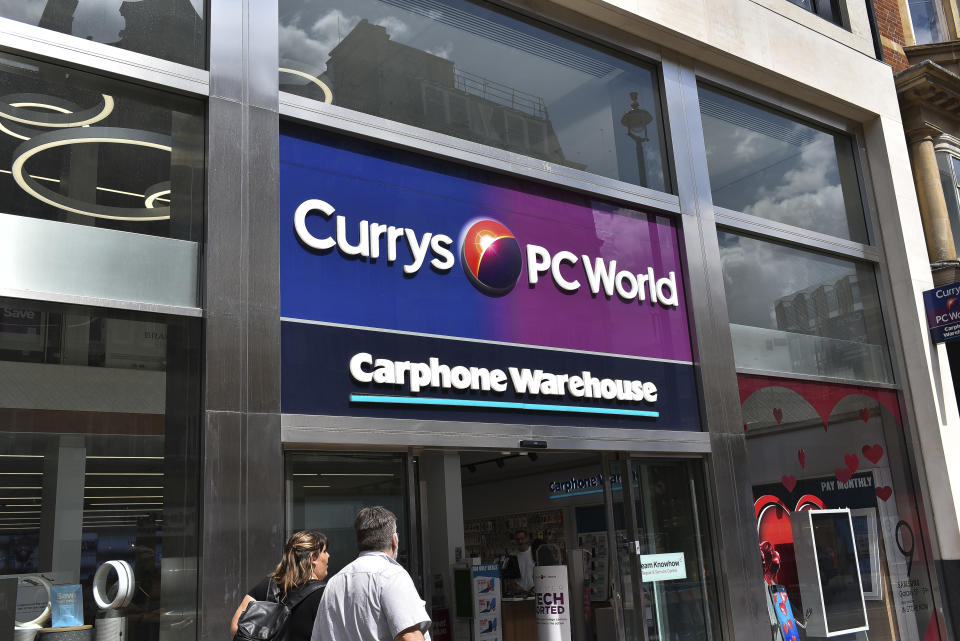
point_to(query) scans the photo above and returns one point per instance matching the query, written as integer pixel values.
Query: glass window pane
(80, 149)
(925, 19)
(822, 446)
(170, 29)
(949, 167)
(481, 74)
(325, 492)
(795, 311)
(672, 596)
(765, 164)
(99, 435)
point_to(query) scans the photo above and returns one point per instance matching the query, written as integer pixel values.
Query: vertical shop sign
(943, 312)
(552, 589)
(486, 602)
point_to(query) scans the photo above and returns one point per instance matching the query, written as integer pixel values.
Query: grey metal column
(741, 582)
(243, 524)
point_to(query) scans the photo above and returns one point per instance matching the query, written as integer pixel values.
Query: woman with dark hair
(304, 562)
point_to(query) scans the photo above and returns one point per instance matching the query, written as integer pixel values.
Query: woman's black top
(300, 626)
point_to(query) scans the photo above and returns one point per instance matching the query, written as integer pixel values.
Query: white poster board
(663, 567)
(552, 589)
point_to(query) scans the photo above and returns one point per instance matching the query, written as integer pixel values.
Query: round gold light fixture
(15, 107)
(23, 133)
(87, 135)
(155, 192)
(327, 94)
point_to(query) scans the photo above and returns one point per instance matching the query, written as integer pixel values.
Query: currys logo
(491, 256)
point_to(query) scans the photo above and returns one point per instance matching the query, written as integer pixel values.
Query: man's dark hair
(527, 534)
(375, 527)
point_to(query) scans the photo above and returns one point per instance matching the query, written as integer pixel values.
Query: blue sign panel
(415, 288)
(943, 312)
(317, 379)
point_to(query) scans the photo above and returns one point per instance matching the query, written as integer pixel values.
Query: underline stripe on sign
(460, 402)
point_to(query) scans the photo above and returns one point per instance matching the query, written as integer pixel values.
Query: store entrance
(526, 545)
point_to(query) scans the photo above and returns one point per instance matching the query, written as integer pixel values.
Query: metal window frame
(67, 51)
(302, 110)
(103, 59)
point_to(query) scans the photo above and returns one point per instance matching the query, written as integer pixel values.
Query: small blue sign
(943, 312)
(66, 606)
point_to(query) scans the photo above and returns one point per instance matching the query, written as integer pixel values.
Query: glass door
(663, 566)
(324, 491)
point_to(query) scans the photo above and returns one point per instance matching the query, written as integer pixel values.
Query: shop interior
(521, 517)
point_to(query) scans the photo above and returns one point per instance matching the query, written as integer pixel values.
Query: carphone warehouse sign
(411, 287)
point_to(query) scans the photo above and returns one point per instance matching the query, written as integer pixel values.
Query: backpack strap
(273, 591)
(303, 592)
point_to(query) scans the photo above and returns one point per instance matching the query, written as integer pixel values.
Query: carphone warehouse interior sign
(411, 286)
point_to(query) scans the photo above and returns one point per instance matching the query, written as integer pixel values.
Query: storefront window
(532, 530)
(836, 511)
(325, 492)
(81, 149)
(482, 74)
(170, 29)
(99, 435)
(766, 164)
(803, 313)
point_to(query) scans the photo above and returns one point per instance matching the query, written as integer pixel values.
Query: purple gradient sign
(943, 312)
(396, 242)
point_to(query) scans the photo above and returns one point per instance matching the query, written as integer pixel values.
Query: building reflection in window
(798, 312)
(465, 70)
(170, 29)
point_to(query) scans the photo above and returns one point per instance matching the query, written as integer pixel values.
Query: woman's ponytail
(296, 567)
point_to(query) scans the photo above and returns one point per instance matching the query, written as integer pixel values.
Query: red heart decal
(789, 481)
(884, 492)
(852, 461)
(778, 415)
(802, 457)
(873, 453)
(865, 414)
(843, 474)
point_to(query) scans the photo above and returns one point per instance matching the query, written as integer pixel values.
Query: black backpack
(267, 620)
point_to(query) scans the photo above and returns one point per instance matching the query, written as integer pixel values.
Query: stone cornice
(929, 85)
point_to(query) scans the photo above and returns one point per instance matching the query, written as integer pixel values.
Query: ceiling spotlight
(532, 456)
(500, 463)
(472, 468)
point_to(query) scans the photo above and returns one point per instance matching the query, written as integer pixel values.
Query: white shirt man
(373, 598)
(524, 561)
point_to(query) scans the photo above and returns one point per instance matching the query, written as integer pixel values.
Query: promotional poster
(485, 580)
(552, 590)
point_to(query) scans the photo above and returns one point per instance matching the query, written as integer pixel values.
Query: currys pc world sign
(943, 312)
(413, 287)
(490, 255)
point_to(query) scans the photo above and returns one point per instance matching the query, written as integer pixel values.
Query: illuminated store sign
(412, 287)
(490, 254)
